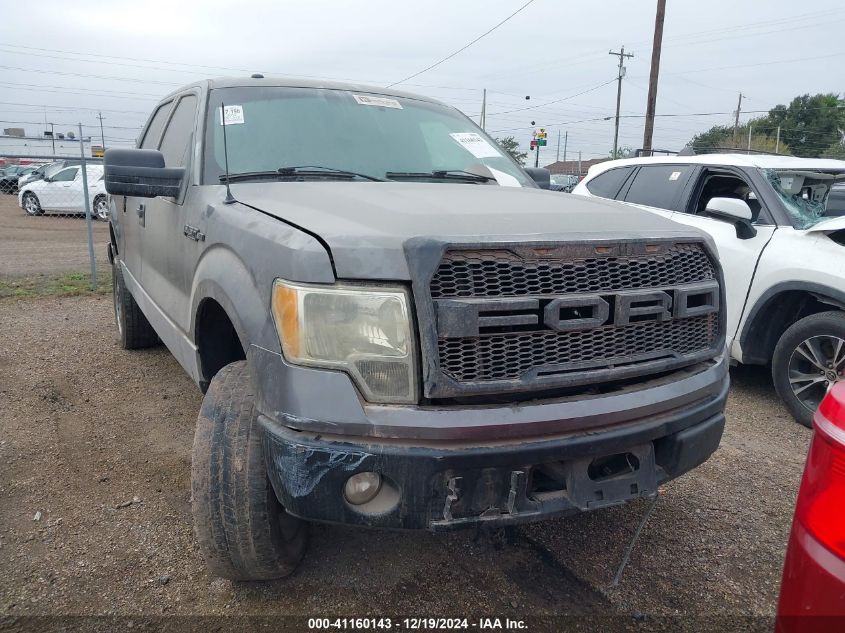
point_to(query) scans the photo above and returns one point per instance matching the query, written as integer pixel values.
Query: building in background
(15, 141)
(571, 166)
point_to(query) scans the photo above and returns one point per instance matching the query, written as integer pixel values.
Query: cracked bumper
(442, 485)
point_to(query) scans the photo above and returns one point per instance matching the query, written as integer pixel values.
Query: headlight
(365, 331)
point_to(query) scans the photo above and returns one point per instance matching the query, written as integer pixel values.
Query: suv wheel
(31, 205)
(243, 531)
(808, 360)
(133, 329)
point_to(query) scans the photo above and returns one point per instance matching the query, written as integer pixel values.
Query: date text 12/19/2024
(416, 624)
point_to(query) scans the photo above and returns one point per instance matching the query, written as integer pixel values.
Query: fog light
(362, 487)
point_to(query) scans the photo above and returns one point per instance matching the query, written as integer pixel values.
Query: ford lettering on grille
(522, 317)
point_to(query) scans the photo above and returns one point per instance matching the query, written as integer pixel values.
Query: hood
(366, 224)
(829, 225)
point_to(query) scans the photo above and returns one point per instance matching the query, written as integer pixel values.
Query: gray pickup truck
(395, 326)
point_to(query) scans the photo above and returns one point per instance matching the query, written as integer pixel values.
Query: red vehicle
(812, 595)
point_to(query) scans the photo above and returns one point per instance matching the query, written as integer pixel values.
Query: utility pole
(651, 104)
(777, 142)
(557, 158)
(736, 120)
(102, 135)
(622, 55)
(53, 137)
(565, 141)
(750, 126)
(537, 156)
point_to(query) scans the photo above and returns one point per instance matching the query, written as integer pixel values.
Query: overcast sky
(64, 61)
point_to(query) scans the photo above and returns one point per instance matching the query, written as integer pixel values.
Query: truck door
(131, 211)
(738, 256)
(170, 248)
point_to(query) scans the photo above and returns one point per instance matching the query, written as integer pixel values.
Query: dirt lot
(47, 243)
(86, 427)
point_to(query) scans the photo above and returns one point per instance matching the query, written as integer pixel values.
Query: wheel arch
(228, 312)
(778, 308)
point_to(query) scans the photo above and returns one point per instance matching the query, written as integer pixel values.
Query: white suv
(780, 238)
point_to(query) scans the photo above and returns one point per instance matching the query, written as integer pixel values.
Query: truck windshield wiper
(298, 171)
(438, 174)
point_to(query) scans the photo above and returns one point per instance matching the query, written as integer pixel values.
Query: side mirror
(540, 175)
(141, 173)
(736, 211)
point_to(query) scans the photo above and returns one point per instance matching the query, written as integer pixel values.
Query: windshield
(804, 193)
(270, 128)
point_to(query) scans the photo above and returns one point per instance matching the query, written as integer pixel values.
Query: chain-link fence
(54, 214)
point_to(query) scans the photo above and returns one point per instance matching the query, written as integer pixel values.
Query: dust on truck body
(403, 337)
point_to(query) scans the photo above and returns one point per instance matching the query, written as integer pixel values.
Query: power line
(463, 48)
(542, 105)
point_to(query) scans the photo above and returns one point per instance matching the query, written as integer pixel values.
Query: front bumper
(439, 485)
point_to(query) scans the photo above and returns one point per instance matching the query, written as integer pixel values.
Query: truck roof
(298, 82)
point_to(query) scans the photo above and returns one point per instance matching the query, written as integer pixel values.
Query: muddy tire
(808, 359)
(242, 529)
(133, 329)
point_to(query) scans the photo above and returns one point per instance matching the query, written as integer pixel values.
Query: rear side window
(608, 184)
(177, 137)
(150, 140)
(659, 185)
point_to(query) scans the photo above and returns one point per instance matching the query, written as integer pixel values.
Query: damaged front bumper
(440, 485)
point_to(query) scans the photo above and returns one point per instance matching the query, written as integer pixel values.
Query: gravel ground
(86, 428)
(46, 243)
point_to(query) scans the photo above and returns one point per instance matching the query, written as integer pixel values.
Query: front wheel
(243, 531)
(101, 208)
(31, 206)
(808, 360)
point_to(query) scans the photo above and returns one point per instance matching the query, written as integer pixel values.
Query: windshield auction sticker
(475, 144)
(384, 102)
(232, 115)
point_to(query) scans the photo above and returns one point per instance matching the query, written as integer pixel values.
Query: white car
(63, 193)
(783, 259)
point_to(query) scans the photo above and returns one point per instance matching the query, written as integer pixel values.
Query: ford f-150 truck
(394, 326)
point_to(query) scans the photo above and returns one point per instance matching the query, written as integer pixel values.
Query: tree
(809, 126)
(511, 146)
(622, 152)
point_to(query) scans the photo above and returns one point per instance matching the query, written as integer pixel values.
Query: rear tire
(31, 205)
(808, 359)
(134, 331)
(243, 531)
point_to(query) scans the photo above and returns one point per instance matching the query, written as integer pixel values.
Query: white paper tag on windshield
(475, 144)
(232, 115)
(504, 180)
(384, 102)
(674, 175)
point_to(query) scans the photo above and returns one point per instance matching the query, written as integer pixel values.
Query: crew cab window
(177, 137)
(722, 184)
(66, 175)
(150, 140)
(659, 185)
(608, 184)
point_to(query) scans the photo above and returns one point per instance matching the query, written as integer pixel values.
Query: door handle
(142, 214)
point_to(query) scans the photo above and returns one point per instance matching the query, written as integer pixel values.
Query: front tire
(242, 529)
(31, 205)
(134, 331)
(808, 360)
